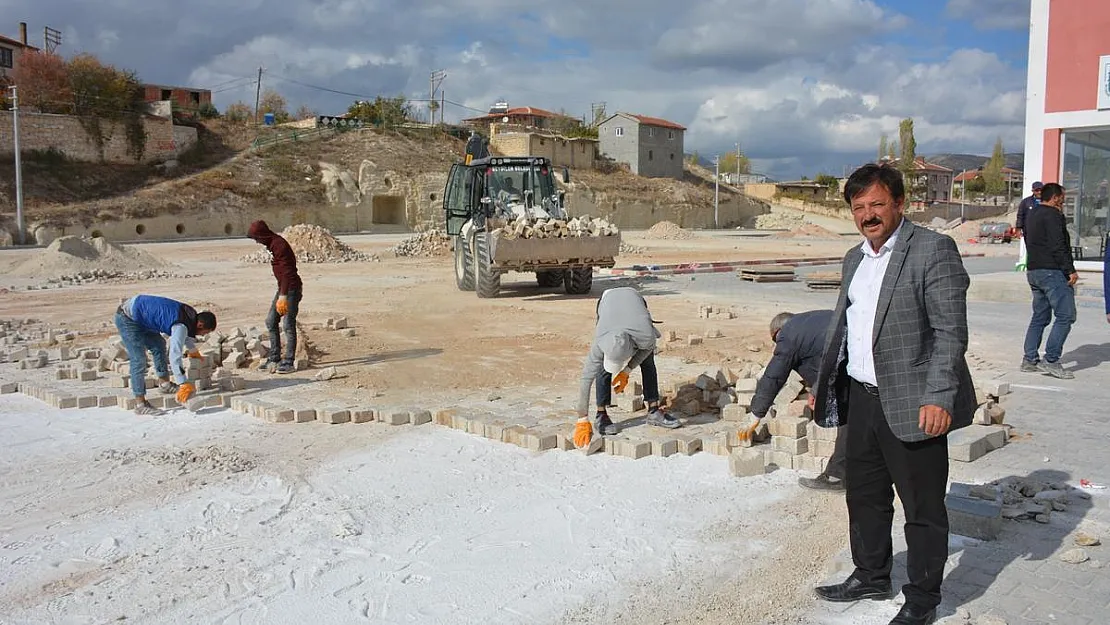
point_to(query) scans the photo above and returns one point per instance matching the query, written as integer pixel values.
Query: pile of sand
(313, 244)
(68, 256)
(778, 221)
(807, 231)
(669, 231)
(429, 243)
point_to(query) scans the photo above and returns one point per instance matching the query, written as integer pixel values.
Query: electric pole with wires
(257, 93)
(18, 166)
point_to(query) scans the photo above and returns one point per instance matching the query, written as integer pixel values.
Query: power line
(363, 96)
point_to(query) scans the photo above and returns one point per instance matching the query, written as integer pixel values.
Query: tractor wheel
(579, 281)
(487, 280)
(464, 273)
(550, 279)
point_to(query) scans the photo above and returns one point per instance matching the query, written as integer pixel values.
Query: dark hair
(871, 173)
(1050, 191)
(208, 319)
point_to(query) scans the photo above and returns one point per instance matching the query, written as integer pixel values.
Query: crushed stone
(72, 255)
(669, 231)
(313, 244)
(433, 242)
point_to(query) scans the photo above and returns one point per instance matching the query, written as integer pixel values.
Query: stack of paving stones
(988, 430)
(978, 510)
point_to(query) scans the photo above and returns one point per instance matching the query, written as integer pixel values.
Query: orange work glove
(583, 432)
(184, 392)
(620, 381)
(194, 354)
(282, 305)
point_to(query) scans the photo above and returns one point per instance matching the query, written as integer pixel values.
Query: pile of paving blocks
(988, 430)
(977, 510)
(341, 325)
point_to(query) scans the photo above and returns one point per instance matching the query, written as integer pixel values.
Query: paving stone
(514, 435)
(824, 449)
(970, 515)
(781, 459)
(88, 401)
(304, 415)
(716, 444)
(747, 462)
(970, 443)
(790, 427)
(734, 412)
(634, 449)
(746, 385)
(66, 403)
(793, 446)
(664, 448)
(7, 388)
(694, 340)
(811, 463)
(745, 399)
(333, 415)
(420, 417)
(689, 445)
(279, 415)
(539, 441)
(89, 376)
(107, 401)
(443, 417)
(362, 415)
(494, 431)
(399, 417)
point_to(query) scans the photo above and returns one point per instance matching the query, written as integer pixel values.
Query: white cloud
(803, 84)
(991, 14)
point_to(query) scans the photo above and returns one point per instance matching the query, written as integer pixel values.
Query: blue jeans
(650, 377)
(1052, 296)
(138, 341)
(288, 323)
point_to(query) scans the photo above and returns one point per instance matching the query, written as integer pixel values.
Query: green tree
(908, 146)
(388, 112)
(883, 151)
(994, 183)
(273, 102)
(728, 163)
(238, 112)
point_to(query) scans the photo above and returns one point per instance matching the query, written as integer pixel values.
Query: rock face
(386, 196)
(340, 187)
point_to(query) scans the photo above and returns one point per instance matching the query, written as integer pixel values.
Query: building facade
(650, 146)
(934, 182)
(576, 153)
(1067, 117)
(11, 50)
(184, 98)
(521, 117)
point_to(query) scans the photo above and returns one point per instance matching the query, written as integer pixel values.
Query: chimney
(23, 33)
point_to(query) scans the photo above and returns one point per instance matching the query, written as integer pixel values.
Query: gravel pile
(430, 243)
(632, 249)
(669, 231)
(71, 255)
(313, 244)
(807, 231)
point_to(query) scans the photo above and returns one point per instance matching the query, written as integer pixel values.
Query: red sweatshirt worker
(286, 301)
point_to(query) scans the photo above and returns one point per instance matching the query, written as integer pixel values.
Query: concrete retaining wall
(38, 131)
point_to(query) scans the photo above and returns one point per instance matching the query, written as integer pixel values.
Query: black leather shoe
(914, 615)
(854, 590)
(822, 482)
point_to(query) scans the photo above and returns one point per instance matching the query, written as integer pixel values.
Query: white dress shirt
(863, 302)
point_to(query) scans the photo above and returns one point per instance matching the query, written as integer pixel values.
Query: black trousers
(650, 377)
(836, 467)
(877, 463)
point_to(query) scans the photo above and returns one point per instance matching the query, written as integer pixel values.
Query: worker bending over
(624, 339)
(287, 300)
(141, 321)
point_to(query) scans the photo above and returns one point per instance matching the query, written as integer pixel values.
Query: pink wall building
(1067, 118)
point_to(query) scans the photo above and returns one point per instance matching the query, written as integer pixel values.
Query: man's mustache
(874, 221)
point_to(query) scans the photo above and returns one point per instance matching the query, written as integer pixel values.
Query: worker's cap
(618, 349)
(1038, 185)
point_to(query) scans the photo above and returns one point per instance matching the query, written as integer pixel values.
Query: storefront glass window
(1086, 177)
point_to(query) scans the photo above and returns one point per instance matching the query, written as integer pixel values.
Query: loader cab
(474, 187)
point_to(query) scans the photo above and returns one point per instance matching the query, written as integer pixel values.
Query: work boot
(1030, 366)
(265, 364)
(1056, 370)
(167, 388)
(285, 367)
(145, 409)
(661, 419)
(603, 425)
(822, 482)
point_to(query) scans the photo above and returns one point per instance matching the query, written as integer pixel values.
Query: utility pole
(737, 162)
(433, 84)
(257, 93)
(18, 167)
(717, 191)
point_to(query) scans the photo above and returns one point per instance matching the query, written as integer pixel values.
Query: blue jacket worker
(141, 321)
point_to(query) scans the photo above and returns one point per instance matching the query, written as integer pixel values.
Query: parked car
(996, 232)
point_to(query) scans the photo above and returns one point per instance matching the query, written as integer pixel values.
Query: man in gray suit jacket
(894, 372)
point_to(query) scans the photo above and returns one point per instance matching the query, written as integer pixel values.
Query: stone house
(521, 117)
(576, 153)
(650, 146)
(183, 98)
(11, 50)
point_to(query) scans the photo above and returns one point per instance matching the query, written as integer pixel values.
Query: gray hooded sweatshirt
(624, 333)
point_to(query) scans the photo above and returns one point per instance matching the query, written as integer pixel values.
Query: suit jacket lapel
(893, 269)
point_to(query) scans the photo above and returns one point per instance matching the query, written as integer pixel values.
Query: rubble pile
(807, 231)
(584, 226)
(313, 244)
(628, 249)
(433, 242)
(779, 221)
(22, 340)
(105, 276)
(1025, 499)
(669, 231)
(71, 255)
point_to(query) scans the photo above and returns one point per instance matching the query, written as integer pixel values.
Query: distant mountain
(961, 162)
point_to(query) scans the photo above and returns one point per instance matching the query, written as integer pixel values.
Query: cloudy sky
(804, 85)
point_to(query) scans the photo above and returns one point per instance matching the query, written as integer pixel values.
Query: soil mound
(669, 231)
(313, 244)
(807, 231)
(72, 255)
